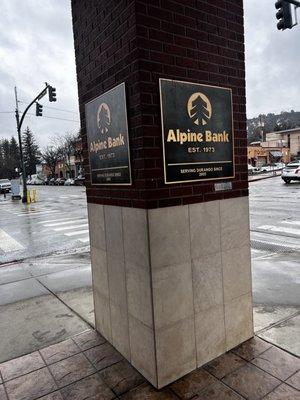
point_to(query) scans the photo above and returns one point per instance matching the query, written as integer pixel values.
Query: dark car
(47, 181)
(79, 181)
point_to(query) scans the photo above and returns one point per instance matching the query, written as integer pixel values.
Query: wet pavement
(44, 301)
(57, 222)
(87, 367)
(275, 240)
(45, 274)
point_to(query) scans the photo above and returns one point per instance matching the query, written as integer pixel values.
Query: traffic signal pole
(296, 3)
(24, 198)
(19, 127)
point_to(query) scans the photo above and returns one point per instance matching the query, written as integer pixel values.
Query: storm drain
(274, 247)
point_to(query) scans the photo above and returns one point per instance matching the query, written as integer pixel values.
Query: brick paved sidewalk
(87, 367)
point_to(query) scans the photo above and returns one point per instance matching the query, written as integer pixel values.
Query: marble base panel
(172, 286)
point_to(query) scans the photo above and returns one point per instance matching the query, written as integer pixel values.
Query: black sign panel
(197, 129)
(107, 134)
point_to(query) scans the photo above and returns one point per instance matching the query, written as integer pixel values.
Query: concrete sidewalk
(87, 367)
(43, 301)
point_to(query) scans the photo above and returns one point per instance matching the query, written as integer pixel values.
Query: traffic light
(284, 15)
(52, 93)
(38, 110)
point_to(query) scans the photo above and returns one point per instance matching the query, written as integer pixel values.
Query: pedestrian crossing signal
(52, 93)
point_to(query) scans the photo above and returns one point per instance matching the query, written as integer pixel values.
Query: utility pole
(39, 108)
(24, 199)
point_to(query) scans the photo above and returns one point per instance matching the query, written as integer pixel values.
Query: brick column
(171, 263)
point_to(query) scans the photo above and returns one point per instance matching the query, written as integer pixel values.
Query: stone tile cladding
(166, 295)
(138, 42)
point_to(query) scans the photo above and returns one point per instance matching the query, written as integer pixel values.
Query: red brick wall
(140, 41)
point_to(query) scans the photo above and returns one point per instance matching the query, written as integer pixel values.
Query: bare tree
(66, 145)
(51, 155)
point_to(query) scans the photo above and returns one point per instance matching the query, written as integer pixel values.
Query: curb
(263, 177)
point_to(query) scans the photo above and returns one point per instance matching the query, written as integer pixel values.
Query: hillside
(272, 123)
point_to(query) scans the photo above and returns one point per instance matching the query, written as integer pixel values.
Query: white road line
(291, 222)
(65, 228)
(85, 240)
(32, 213)
(283, 230)
(72, 221)
(77, 233)
(7, 243)
(55, 220)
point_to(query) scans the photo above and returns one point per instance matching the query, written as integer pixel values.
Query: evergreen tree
(31, 152)
(103, 120)
(14, 156)
(6, 172)
(199, 112)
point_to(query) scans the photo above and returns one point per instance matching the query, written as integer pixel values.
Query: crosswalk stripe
(65, 228)
(84, 240)
(77, 233)
(31, 213)
(8, 244)
(291, 222)
(56, 220)
(272, 228)
(66, 222)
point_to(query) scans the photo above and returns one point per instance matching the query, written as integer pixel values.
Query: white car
(252, 170)
(5, 185)
(69, 182)
(291, 172)
(267, 168)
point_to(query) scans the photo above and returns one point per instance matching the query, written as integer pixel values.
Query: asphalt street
(275, 242)
(56, 222)
(45, 274)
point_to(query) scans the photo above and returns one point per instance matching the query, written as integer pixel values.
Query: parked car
(52, 181)
(267, 168)
(29, 181)
(279, 165)
(47, 181)
(69, 182)
(252, 170)
(5, 186)
(60, 181)
(37, 181)
(291, 172)
(79, 181)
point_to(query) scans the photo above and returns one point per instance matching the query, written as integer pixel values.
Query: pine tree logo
(199, 108)
(103, 118)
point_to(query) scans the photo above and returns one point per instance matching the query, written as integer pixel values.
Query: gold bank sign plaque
(197, 131)
(107, 134)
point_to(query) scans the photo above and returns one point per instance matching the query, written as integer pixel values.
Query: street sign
(107, 135)
(197, 132)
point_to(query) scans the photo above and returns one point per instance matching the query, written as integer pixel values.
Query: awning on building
(276, 153)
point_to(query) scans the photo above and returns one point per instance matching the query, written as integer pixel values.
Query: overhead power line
(53, 108)
(62, 119)
(44, 116)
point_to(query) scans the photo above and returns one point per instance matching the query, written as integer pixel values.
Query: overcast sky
(36, 45)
